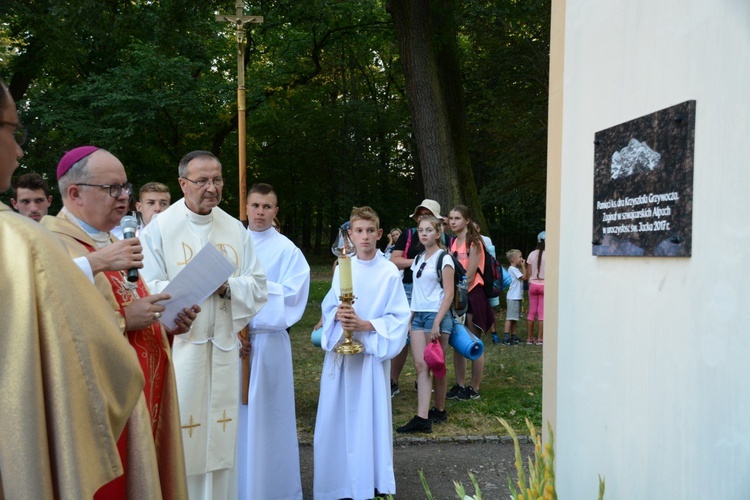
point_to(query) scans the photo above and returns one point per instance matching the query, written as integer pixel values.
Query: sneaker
(515, 340)
(454, 392)
(495, 338)
(394, 388)
(506, 339)
(437, 416)
(468, 393)
(416, 424)
(539, 342)
(529, 342)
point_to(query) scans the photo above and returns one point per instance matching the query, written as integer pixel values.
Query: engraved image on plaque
(643, 185)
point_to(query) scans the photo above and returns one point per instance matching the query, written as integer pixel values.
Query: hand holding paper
(205, 272)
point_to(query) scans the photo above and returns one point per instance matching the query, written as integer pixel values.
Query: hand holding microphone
(119, 256)
(129, 224)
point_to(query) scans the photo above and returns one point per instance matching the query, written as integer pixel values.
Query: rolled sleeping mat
(465, 343)
(316, 335)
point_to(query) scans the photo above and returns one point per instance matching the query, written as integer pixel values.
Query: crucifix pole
(239, 21)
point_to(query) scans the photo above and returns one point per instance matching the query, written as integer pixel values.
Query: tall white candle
(345, 275)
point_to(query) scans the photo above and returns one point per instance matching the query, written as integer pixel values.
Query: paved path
(489, 459)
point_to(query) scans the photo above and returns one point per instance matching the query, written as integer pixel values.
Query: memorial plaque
(643, 185)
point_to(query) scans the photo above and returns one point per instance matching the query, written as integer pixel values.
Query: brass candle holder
(344, 249)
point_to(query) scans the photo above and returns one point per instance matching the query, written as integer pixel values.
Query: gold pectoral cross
(191, 426)
(223, 421)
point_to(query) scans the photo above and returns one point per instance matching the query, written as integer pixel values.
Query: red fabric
(150, 347)
(116, 489)
(148, 343)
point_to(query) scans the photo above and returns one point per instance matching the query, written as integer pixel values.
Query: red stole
(150, 344)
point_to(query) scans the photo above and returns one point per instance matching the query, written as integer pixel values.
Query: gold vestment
(68, 379)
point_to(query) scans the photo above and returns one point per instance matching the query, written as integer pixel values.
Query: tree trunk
(426, 34)
(444, 16)
(412, 20)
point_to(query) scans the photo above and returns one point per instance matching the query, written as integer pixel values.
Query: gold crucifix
(191, 426)
(223, 421)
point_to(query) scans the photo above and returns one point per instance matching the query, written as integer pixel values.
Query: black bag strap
(439, 268)
(416, 259)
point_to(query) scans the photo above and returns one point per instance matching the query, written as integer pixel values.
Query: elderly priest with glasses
(95, 194)
(206, 359)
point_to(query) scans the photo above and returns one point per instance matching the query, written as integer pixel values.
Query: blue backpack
(499, 278)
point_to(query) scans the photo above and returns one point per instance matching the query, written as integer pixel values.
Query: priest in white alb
(206, 358)
(268, 424)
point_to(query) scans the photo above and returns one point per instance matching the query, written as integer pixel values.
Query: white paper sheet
(205, 272)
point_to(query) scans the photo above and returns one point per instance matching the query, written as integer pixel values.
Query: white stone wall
(652, 355)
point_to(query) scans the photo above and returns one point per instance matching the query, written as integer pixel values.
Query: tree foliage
(328, 108)
(506, 68)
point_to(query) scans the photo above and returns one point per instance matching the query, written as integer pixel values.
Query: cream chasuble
(70, 379)
(206, 358)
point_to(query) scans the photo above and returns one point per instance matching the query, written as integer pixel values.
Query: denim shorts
(424, 321)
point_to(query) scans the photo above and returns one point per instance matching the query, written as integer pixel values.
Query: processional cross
(240, 20)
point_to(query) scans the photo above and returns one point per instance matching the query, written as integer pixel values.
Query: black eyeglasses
(218, 182)
(421, 268)
(115, 190)
(19, 134)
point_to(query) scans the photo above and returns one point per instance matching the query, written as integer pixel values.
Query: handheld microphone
(129, 224)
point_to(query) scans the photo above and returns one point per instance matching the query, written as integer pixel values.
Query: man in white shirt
(268, 424)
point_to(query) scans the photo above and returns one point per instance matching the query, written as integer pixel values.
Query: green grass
(511, 387)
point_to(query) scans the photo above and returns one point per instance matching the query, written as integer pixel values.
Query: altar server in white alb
(268, 443)
(353, 430)
(206, 358)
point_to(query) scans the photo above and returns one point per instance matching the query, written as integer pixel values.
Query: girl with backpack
(468, 248)
(431, 322)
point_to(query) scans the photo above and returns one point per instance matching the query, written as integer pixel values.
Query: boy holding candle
(354, 410)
